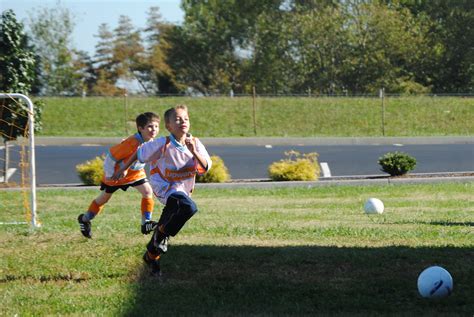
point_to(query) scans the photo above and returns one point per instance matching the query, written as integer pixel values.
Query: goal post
(31, 166)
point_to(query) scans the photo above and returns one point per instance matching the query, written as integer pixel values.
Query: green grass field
(285, 251)
(274, 117)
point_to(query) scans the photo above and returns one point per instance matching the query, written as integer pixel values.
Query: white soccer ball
(373, 206)
(435, 282)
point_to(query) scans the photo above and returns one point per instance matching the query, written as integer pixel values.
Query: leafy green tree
(323, 46)
(128, 50)
(51, 31)
(214, 39)
(452, 33)
(189, 59)
(17, 73)
(153, 26)
(84, 71)
(285, 46)
(332, 47)
(16, 58)
(271, 64)
(387, 43)
(104, 49)
(319, 47)
(104, 63)
(155, 75)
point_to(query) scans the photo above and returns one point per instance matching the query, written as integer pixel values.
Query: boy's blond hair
(171, 111)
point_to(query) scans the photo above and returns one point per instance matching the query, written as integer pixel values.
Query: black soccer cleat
(160, 241)
(153, 264)
(163, 245)
(149, 226)
(85, 226)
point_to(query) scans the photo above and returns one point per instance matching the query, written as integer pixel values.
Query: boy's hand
(190, 143)
(119, 174)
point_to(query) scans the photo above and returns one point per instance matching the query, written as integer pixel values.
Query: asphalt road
(55, 164)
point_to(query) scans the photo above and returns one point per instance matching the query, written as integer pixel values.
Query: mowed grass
(274, 117)
(282, 251)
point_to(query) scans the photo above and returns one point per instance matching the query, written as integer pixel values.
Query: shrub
(91, 172)
(217, 174)
(295, 167)
(397, 163)
(406, 85)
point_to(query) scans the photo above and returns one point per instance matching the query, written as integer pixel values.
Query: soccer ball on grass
(373, 206)
(435, 282)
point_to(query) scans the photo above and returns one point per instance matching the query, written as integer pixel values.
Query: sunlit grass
(283, 251)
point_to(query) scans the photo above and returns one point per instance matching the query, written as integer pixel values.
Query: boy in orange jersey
(135, 176)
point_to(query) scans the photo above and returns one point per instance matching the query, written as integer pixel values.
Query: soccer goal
(17, 160)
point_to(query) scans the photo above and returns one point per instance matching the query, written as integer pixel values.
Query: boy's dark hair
(171, 111)
(143, 119)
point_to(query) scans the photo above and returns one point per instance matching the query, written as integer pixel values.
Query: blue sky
(90, 14)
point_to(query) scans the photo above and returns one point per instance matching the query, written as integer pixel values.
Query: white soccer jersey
(173, 167)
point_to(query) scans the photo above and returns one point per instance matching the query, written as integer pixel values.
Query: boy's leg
(153, 262)
(94, 209)
(170, 208)
(147, 205)
(178, 210)
(182, 208)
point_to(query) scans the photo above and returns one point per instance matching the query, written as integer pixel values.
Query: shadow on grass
(446, 223)
(242, 280)
(451, 223)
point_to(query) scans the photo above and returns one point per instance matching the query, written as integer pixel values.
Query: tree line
(231, 46)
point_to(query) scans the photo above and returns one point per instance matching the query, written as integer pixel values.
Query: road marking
(3, 147)
(398, 144)
(14, 223)
(10, 172)
(325, 171)
(268, 146)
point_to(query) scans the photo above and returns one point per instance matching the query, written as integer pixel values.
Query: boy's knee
(188, 209)
(146, 190)
(180, 208)
(184, 204)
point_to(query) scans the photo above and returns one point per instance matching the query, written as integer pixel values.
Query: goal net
(17, 161)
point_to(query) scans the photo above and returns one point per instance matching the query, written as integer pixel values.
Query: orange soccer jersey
(116, 157)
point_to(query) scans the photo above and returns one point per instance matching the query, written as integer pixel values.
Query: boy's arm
(191, 145)
(201, 160)
(118, 153)
(146, 152)
(122, 171)
(108, 166)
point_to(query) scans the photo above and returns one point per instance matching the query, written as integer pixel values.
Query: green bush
(91, 172)
(296, 167)
(217, 174)
(397, 163)
(407, 86)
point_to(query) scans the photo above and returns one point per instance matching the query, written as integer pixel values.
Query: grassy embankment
(274, 117)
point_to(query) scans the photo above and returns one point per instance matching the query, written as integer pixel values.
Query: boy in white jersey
(174, 162)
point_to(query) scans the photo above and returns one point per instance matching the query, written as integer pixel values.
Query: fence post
(382, 96)
(5, 162)
(254, 96)
(125, 101)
